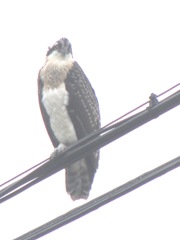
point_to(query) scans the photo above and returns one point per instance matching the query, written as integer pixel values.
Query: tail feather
(78, 183)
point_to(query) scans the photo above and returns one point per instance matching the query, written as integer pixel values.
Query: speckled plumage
(70, 112)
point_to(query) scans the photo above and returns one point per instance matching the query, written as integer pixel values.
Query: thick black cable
(93, 134)
(88, 144)
(100, 201)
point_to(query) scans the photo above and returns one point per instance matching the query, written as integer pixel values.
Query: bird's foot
(57, 151)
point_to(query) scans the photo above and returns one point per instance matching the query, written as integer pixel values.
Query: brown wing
(83, 109)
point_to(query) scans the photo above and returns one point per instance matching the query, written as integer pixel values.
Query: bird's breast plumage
(55, 98)
(55, 102)
(55, 71)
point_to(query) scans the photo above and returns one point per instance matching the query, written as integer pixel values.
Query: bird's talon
(58, 151)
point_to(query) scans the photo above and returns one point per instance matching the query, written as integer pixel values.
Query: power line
(90, 143)
(175, 86)
(143, 104)
(104, 127)
(100, 201)
(24, 172)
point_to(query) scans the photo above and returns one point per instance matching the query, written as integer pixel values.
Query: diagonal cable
(100, 201)
(90, 143)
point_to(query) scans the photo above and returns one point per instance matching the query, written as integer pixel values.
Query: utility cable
(89, 144)
(103, 129)
(100, 201)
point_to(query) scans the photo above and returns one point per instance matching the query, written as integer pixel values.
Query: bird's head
(63, 47)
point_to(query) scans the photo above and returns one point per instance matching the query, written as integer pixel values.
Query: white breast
(55, 102)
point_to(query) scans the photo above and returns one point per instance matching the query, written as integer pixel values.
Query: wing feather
(83, 109)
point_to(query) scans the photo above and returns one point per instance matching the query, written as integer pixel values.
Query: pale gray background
(128, 49)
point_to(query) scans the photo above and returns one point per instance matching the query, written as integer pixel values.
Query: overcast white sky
(128, 49)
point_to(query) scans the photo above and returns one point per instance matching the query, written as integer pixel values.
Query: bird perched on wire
(70, 112)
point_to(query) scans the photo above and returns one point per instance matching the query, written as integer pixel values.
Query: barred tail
(78, 183)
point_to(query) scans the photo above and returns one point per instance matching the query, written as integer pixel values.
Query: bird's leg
(57, 151)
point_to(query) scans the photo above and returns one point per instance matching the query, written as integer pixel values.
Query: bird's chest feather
(55, 102)
(55, 72)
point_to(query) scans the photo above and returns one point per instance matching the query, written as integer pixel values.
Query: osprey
(70, 112)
